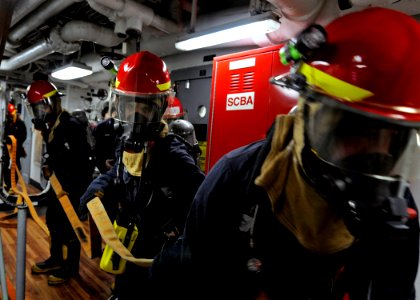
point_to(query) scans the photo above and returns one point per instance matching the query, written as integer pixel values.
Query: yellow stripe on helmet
(164, 86)
(117, 83)
(333, 86)
(49, 94)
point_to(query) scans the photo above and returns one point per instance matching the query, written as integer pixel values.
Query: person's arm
(394, 262)
(99, 187)
(22, 132)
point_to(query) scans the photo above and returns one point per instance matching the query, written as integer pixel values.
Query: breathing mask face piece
(43, 114)
(360, 165)
(140, 117)
(358, 143)
(39, 110)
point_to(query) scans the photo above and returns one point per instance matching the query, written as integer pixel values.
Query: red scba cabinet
(243, 102)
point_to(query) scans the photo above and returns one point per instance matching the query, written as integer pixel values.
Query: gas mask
(45, 112)
(360, 165)
(139, 118)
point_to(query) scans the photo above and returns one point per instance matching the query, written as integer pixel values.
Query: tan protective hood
(295, 203)
(134, 161)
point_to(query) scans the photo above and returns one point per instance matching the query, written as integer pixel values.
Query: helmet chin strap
(370, 205)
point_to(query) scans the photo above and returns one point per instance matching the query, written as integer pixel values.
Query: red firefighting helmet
(142, 73)
(370, 68)
(174, 109)
(41, 90)
(142, 87)
(39, 94)
(142, 78)
(11, 109)
(357, 124)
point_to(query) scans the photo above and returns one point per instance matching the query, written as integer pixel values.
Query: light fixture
(245, 28)
(72, 71)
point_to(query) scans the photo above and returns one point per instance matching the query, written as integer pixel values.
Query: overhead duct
(53, 44)
(44, 12)
(23, 8)
(84, 31)
(5, 18)
(132, 16)
(62, 42)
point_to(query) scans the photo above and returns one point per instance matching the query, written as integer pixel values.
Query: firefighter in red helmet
(322, 208)
(44, 103)
(155, 177)
(174, 110)
(140, 97)
(67, 155)
(16, 127)
(175, 117)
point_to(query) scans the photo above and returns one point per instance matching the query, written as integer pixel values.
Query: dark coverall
(239, 249)
(68, 156)
(105, 143)
(157, 202)
(16, 128)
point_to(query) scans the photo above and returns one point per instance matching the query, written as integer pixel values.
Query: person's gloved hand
(83, 210)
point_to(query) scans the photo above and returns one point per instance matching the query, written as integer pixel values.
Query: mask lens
(39, 110)
(355, 142)
(138, 109)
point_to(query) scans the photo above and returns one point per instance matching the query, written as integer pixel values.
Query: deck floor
(91, 283)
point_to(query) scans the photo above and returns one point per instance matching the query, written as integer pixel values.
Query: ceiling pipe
(53, 44)
(5, 19)
(294, 14)
(63, 41)
(36, 19)
(23, 8)
(84, 31)
(194, 8)
(129, 15)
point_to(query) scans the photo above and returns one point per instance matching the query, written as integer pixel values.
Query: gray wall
(193, 86)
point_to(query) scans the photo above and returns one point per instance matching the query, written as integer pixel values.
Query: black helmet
(184, 129)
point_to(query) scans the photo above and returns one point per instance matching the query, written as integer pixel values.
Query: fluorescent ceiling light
(72, 71)
(246, 28)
